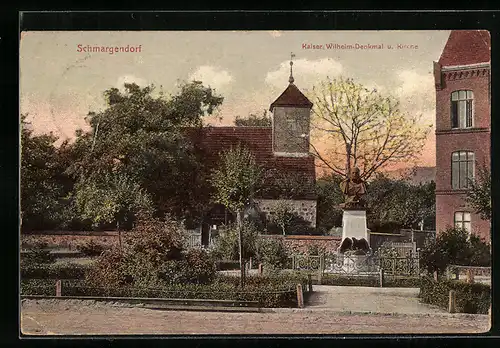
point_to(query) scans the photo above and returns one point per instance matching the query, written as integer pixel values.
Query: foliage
(153, 254)
(267, 291)
(272, 253)
(113, 199)
(254, 120)
(141, 139)
(282, 215)
(53, 271)
(479, 194)
(43, 182)
(91, 248)
(227, 245)
(285, 185)
(236, 179)
(316, 250)
(397, 203)
(330, 196)
(38, 254)
(470, 298)
(454, 246)
(362, 128)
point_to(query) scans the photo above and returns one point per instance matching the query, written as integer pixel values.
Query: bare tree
(362, 128)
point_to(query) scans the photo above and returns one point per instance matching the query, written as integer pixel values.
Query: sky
(60, 82)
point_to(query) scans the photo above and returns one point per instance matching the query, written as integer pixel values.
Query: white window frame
(464, 217)
(456, 161)
(461, 98)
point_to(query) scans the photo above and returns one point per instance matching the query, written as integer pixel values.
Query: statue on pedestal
(354, 189)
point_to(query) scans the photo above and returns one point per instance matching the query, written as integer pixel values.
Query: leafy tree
(282, 215)
(112, 200)
(254, 120)
(479, 193)
(330, 196)
(362, 128)
(142, 137)
(454, 247)
(42, 180)
(227, 244)
(273, 254)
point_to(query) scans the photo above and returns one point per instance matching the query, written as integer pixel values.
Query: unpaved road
(72, 317)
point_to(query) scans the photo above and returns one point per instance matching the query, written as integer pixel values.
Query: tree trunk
(119, 236)
(239, 221)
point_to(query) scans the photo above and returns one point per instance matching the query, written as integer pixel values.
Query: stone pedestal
(354, 224)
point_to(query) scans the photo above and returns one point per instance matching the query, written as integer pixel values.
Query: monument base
(354, 225)
(355, 264)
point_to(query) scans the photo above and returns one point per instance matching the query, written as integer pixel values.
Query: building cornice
(462, 131)
(486, 65)
(460, 74)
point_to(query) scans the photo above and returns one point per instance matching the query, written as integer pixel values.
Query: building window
(462, 169)
(461, 109)
(462, 220)
(292, 124)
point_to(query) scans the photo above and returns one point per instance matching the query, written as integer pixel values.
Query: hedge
(472, 298)
(268, 291)
(53, 271)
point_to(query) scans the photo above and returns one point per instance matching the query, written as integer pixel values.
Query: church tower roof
(291, 96)
(465, 47)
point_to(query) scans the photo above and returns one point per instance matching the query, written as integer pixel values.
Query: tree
(142, 137)
(330, 196)
(479, 193)
(282, 215)
(235, 182)
(362, 128)
(43, 186)
(254, 120)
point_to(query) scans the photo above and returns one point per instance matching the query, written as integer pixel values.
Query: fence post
(250, 264)
(300, 296)
(260, 268)
(470, 276)
(58, 288)
(309, 282)
(436, 275)
(452, 302)
(381, 277)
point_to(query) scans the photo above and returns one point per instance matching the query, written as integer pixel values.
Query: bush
(197, 267)
(227, 265)
(470, 298)
(272, 253)
(38, 254)
(58, 271)
(91, 248)
(268, 291)
(227, 244)
(454, 247)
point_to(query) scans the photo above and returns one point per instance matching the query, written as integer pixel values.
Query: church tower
(291, 121)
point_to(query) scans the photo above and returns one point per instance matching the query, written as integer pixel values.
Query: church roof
(466, 47)
(214, 140)
(292, 96)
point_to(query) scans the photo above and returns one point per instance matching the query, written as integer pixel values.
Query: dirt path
(44, 317)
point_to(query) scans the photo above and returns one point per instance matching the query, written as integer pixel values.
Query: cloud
(130, 79)
(306, 72)
(416, 91)
(212, 76)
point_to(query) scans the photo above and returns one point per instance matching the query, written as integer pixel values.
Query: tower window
(462, 220)
(461, 109)
(462, 169)
(292, 124)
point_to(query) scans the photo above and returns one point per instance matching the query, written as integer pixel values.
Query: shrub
(223, 265)
(470, 298)
(197, 267)
(227, 244)
(91, 248)
(57, 271)
(454, 247)
(273, 253)
(38, 254)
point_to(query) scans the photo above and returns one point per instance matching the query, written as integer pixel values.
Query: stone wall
(304, 208)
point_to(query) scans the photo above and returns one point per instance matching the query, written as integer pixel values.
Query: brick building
(462, 82)
(281, 150)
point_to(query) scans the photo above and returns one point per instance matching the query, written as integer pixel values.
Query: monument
(355, 238)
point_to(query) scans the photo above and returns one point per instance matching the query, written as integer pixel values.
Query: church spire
(291, 79)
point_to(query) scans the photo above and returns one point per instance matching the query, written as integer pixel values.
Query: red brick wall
(449, 201)
(301, 244)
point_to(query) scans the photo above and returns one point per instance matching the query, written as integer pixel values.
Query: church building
(281, 150)
(463, 119)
